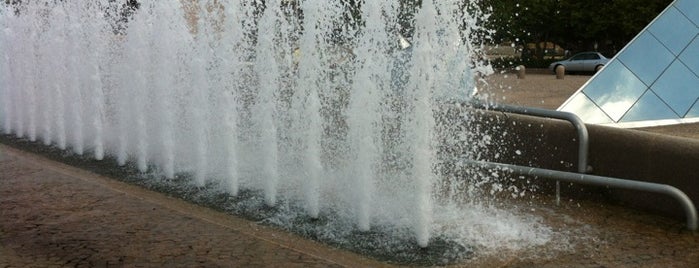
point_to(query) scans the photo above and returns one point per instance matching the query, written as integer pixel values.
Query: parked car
(582, 62)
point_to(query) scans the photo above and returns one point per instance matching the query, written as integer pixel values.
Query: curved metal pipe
(583, 136)
(687, 204)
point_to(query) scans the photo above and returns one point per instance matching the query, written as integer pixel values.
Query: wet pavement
(55, 215)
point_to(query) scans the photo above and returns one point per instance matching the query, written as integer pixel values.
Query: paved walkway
(53, 215)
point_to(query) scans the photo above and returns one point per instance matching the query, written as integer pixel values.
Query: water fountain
(309, 102)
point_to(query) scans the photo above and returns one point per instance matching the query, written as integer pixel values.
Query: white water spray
(313, 103)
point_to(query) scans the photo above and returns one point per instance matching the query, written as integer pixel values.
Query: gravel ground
(535, 90)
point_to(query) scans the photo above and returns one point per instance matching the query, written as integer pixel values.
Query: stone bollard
(521, 71)
(560, 72)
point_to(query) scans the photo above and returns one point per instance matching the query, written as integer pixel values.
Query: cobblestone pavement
(54, 215)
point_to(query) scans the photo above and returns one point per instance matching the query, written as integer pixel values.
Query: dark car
(582, 62)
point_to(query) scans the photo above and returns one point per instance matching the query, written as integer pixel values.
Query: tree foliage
(603, 25)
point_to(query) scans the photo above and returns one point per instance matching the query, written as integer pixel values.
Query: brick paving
(52, 215)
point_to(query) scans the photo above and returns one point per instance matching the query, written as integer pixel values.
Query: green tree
(605, 25)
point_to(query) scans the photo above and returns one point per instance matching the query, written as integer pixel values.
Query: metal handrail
(583, 136)
(687, 204)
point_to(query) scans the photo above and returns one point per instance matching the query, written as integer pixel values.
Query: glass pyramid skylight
(654, 80)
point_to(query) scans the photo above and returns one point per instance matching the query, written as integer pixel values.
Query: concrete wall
(620, 153)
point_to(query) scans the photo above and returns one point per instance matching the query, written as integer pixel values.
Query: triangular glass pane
(678, 87)
(674, 30)
(640, 83)
(646, 57)
(689, 8)
(690, 56)
(615, 89)
(586, 110)
(693, 112)
(649, 107)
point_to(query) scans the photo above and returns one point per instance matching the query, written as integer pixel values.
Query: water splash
(336, 107)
